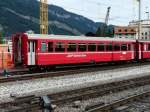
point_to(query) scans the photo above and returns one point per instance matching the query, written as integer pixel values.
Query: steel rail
(81, 94)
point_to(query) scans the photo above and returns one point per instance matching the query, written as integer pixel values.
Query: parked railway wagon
(145, 50)
(36, 50)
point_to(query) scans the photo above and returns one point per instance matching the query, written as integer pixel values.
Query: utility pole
(140, 27)
(147, 15)
(43, 17)
(147, 12)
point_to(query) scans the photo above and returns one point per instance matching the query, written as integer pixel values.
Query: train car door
(140, 51)
(31, 53)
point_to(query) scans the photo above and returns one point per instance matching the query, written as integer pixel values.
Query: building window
(91, 47)
(125, 30)
(145, 33)
(145, 38)
(119, 30)
(43, 46)
(60, 47)
(71, 47)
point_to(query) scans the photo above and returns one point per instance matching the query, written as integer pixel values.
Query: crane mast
(107, 15)
(43, 17)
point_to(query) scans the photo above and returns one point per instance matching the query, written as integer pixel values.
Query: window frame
(123, 45)
(102, 45)
(52, 47)
(71, 43)
(90, 44)
(41, 48)
(62, 44)
(107, 47)
(114, 46)
(81, 43)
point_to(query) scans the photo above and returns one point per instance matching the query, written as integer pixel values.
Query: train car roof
(146, 41)
(82, 37)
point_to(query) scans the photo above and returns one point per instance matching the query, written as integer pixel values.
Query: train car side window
(43, 46)
(71, 47)
(124, 47)
(91, 47)
(101, 47)
(109, 47)
(149, 47)
(60, 47)
(129, 47)
(50, 46)
(116, 47)
(82, 47)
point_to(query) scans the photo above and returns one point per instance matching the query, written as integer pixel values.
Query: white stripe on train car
(125, 52)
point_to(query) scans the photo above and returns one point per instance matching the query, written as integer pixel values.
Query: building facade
(124, 32)
(145, 30)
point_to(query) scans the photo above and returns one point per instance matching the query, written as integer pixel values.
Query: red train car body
(51, 50)
(144, 49)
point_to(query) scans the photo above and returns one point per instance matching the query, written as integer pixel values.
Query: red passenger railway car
(36, 50)
(144, 50)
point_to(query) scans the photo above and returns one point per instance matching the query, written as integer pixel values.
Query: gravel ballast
(64, 83)
(104, 99)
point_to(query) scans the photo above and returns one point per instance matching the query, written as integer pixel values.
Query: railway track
(110, 107)
(33, 102)
(26, 75)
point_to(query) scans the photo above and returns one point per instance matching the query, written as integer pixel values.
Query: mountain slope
(23, 15)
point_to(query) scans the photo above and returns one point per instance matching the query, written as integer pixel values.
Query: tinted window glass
(71, 47)
(59, 47)
(149, 47)
(101, 47)
(50, 46)
(43, 46)
(123, 47)
(109, 47)
(91, 47)
(116, 47)
(81, 47)
(129, 47)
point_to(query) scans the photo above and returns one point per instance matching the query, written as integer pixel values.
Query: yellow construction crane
(43, 17)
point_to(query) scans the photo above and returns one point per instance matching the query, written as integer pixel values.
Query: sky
(122, 11)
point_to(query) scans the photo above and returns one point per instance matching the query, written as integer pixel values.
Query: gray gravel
(64, 83)
(105, 99)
